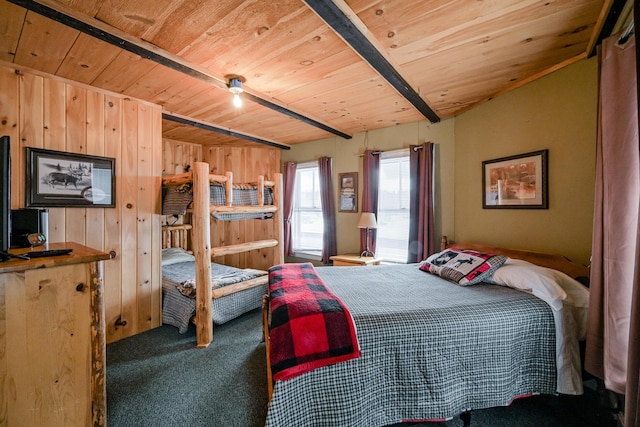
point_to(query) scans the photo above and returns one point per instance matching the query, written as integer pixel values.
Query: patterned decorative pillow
(176, 199)
(462, 266)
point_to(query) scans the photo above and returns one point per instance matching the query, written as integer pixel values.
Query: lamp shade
(367, 220)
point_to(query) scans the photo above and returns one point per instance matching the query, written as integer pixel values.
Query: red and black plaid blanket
(310, 326)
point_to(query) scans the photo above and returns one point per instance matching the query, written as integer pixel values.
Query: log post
(202, 253)
(278, 218)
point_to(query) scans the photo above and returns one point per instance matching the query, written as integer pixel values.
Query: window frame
(312, 254)
(388, 155)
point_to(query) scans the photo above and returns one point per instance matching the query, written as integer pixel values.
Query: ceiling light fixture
(235, 87)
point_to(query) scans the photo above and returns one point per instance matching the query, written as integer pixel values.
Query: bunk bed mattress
(176, 199)
(430, 350)
(177, 309)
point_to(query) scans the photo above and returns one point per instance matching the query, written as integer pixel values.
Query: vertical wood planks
(177, 156)
(55, 121)
(47, 332)
(76, 142)
(31, 127)
(55, 114)
(94, 225)
(9, 110)
(156, 222)
(129, 220)
(113, 274)
(145, 205)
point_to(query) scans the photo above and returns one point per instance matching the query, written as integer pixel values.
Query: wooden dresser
(52, 339)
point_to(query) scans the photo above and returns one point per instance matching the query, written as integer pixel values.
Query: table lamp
(368, 221)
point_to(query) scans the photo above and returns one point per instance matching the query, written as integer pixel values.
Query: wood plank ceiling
(312, 68)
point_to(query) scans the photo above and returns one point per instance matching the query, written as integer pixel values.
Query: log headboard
(176, 236)
(557, 262)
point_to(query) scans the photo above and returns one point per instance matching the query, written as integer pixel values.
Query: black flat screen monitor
(5, 196)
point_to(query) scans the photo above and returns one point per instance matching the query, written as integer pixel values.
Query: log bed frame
(557, 262)
(200, 228)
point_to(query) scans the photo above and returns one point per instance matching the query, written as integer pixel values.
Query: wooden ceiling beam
(106, 33)
(179, 118)
(348, 26)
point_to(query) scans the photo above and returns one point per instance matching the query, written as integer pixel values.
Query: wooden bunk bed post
(278, 256)
(201, 212)
(228, 188)
(261, 190)
(202, 253)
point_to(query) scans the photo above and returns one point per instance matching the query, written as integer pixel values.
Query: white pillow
(175, 255)
(552, 286)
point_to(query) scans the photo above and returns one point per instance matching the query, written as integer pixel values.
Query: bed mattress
(430, 350)
(178, 309)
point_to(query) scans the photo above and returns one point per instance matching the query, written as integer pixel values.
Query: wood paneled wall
(51, 113)
(246, 163)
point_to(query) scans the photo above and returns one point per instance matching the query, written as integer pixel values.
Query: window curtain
(370, 186)
(329, 243)
(613, 331)
(421, 220)
(287, 202)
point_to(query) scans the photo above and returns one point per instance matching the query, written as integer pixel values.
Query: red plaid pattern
(310, 326)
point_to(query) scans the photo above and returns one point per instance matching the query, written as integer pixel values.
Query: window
(393, 206)
(307, 224)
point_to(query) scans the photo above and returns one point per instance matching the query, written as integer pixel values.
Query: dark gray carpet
(159, 378)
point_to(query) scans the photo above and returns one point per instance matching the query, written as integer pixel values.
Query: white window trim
(394, 154)
(315, 256)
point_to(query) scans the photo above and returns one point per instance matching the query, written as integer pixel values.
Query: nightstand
(352, 260)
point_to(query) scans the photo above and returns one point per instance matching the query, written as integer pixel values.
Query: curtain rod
(378, 152)
(627, 33)
(373, 153)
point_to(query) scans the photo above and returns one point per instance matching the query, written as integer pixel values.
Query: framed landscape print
(516, 182)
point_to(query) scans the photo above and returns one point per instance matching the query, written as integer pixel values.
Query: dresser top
(80, 254)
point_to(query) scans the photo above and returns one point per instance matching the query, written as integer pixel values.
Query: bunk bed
(178, 285)
(426, 348)
(200, 185)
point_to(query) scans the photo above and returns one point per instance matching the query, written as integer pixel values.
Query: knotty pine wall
(246, 163)
(47, 112)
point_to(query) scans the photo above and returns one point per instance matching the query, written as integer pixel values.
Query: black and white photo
(60, 179)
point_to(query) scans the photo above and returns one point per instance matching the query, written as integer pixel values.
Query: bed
(431, 349)
(178, 289)
(213, 198)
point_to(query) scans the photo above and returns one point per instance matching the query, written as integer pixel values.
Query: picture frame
(516, 182)
(348, 192)
(61, 179)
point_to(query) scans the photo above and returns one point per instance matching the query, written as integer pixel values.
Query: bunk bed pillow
(462, 266)
(176, 199)
(176, 255)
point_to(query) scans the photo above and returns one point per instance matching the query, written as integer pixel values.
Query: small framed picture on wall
(349, 192)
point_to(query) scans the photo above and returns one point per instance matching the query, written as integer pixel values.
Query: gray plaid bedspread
(430, 349)
(178, 309)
